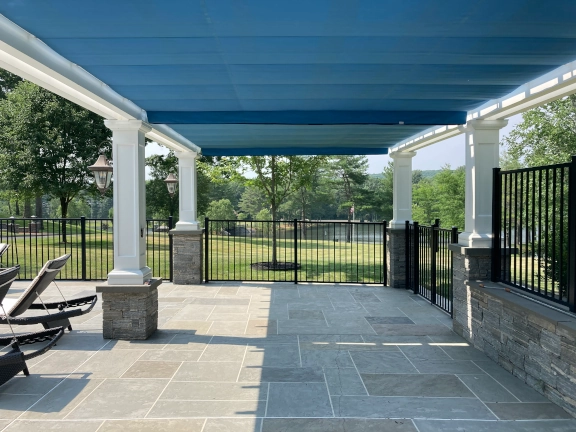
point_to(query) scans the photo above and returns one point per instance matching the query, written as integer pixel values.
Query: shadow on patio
(276, 357)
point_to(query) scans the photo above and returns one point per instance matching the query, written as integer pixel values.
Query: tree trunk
(349, 228)
(64, 207)
(38, 207)
(274, 209)
(17, 210)
(27, 207)
(39, 212)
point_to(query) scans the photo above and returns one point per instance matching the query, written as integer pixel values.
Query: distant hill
(429, 173)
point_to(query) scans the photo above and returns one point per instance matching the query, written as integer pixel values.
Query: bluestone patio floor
(251, 357)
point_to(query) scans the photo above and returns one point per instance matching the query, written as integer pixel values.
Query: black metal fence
(295, 251)
(89, 241)
(429, 262)
(534, 230)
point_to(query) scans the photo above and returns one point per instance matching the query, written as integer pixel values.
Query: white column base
(187, 226)
(475, 240)
(130, 277)
(397, 224)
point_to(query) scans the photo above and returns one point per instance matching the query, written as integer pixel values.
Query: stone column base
(396, 257)
(130, 312)
(187, 258)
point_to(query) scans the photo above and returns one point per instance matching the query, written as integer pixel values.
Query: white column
(187, 220)
(129, 202)
(482, 155)
(402, 189)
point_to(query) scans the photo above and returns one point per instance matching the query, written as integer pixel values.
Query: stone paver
(274, 357)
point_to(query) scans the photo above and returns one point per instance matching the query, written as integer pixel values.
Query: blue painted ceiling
(313, 76)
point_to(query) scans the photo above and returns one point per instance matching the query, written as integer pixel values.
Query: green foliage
(8, 82)
(547, 134)
(264, 215)
(440, 197)
(47, 144)
(252, 201)
(221, 209)
(159, 204)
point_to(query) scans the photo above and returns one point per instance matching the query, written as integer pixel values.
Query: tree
(8, 82)
(221, 210)
(159, 204)
(252, 201)
(278, 177)
(547, 134)
(350, 175)
(47, 144)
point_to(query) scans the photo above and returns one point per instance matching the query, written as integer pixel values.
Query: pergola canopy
(256, 77)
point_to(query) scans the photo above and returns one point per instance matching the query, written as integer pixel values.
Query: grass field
(320, 260)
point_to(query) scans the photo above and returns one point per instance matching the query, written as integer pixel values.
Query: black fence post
(295, 251)
(434, 248)
(453, 240)
(171, 247)
(83, 245)
(496, 225)
(384, 254)
(206, 251)
(407, 251)
(454, 237)
(416, 252)
(572, 235)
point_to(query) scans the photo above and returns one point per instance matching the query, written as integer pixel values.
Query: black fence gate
(295, 251)
(534, 231)
(429, 262)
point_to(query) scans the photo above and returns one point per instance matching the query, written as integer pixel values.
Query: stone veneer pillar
(187, 257)
(129, 312)
(468, 264)
(396, 257)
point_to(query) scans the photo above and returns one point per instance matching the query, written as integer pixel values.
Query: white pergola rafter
(554, 85)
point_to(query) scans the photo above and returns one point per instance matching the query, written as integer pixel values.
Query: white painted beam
(554, 85)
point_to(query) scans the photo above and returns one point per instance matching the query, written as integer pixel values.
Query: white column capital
(477, 124)
(186, 155)
(128, 125)
(402, 155)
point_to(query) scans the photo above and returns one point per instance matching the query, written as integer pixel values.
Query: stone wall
(187, 257)
(534, 342)
(396, 257)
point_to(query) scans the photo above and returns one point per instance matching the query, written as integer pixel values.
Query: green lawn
(320, 260)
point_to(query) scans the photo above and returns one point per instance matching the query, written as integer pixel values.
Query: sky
(450, 151)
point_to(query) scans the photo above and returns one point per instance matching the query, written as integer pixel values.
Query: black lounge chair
(62, 311)
(14, 361)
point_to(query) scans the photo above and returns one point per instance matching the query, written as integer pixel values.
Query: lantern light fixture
(171, 182)
(102, 171)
